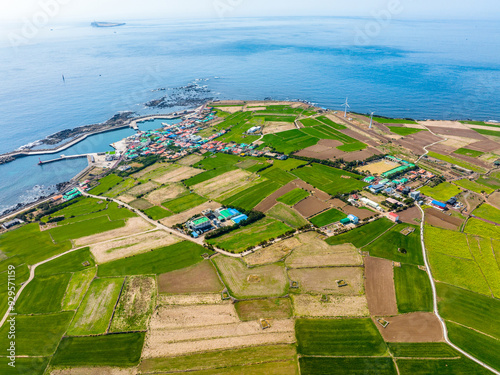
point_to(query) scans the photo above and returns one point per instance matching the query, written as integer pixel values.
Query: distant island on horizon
(106, 24)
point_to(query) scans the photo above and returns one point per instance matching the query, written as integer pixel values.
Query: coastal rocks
(191, 95)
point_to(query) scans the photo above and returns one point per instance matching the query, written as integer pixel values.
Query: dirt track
(379, 286)
(414, 327)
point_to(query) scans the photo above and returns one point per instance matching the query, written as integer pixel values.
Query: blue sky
(62, 10)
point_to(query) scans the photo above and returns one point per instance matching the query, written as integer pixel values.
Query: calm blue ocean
(418, 69)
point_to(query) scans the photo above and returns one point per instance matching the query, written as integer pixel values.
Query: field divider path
(435, 302)
(443, 139)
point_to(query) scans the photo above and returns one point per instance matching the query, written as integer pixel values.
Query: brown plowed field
(414, 327)
(439, 219)
(311, 206)
(379, 286)
(270, 201)
(410, 215)
(464, 133)
(200, 278)
(361, 155)
(484, 146)
(359, 212)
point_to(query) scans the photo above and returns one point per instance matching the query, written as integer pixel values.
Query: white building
(371, 203)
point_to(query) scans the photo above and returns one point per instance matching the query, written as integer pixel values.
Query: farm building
(377, 188)
(438, 205)
(10, 224)
(415, 195)
(227, 213)
(238, 219)
(345, 221)
(451, 201)
(353, 219)
(371, 203)
(369, 179)
(200, 224)
(393, 216)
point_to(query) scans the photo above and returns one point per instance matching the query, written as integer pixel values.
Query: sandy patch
(323, 280)
(178, 174)
(95, 371)
(190, 299)
(443, 124)
(108, 251)
(414, 327)
(133, 225)
(380, 290)
(272, 253)
(171, 191)
(379, 167)
(225, 184)
(231, 109)
(200, 278)
(277, 127)
(126, 198)
(184, 216)
(311, 306)
(494, 199)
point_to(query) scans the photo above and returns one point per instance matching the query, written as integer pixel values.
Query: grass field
(251, 197)
(487, 132)
(220, 359)
(327, 217)
(27, 365)
(166, 259)
(37, 335)
(483, 253)
(327, 121)
(84, 228)
(383, 120)
(441, 192)
(287, 215)
(468, 152)
(468, 308)
(208, 175)
(310, 122)
(347, 366)
(120, 188)
(460, 366)
(83, 206)
(413, 289)
(389, 244)
(72, 262)
(94, 313)
(157, 213)
(251, 235)
(243, 282)
(459, 162)
(141, 204)
(483, 347)
(363, 235)
(404, 131)
(481, 228)
(488, 212)
(422, 350)
(272, 308)
(339, 337)
(474, 186)
(456, 243)
(293, 197)
(43, 295)
(289, 141)
(77, 287)
(184, 203)
(330, 180)
(278, 175)
(326, 132)
(122, 350)
(105, 184)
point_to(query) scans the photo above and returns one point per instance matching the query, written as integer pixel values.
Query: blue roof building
(238, 219)
(438, 204)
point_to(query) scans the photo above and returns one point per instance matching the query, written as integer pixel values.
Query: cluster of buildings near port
(393, 183)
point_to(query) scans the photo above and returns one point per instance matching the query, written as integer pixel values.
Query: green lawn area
(459, 162)
(120, 350)
(327, 121)
(483, 347)
(293, 197)
(251, 235)
(84, 228)
(184, 203)
(27, 365)
(339, 337)
(462, 366)
(363, 235)
(422, 350)
(441, 192)
(331, 180)
(389, 244)
(276, 118)
(289, 141)
(71, 262)
(331, 216)
(105, 184)
(278, 175)
(487, 212)
(404, 131)
(310, 122)
(413, 289)
(214, 161)
(468, 308)
(483, 229)
(165, 259)
(82, 206)
(157, 213)
(383, 120)
(468, 152)
(287, 215)
(43, 295)
(249, 198)
(474, 186)
(488, 132)
(347, 366)
(37, 335)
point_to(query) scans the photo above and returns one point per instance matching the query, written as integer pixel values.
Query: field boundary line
(473, 329)
(435, 303)
(375, 239)
(116, 303)
(477, 263)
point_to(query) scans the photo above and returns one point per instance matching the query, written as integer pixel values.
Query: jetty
(64, 157)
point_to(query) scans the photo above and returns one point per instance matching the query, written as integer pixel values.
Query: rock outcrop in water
(192, 95)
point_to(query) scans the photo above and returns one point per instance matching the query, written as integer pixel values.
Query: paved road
(435, 301)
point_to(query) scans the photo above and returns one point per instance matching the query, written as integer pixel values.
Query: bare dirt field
(263, 281)
(321, 152)
(226, 184)
(379, 286)
(178, 174)
(484, 146)
(190, 299)
(464, 133)
(190, 160)
(361, 155)
(200, 278)
(95, 371)
(143, 188)
(231, 109)
(126, 198)
(308, 305)
(361, 213)
(317, 253)
(413, 327)
(337, 203)
(276, 127)
(270, 201)
(439, 219)
(273, 253)
(178, 330)
(379, 167)
(141, 204)
(160, 195)
(112, 250)
(182, 217)
(411, 215)
(311, 206)
(323, 280)
(133, 225)
(494, 199)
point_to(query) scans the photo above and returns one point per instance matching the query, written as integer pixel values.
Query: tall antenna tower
(371, 120)
(346, 105)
